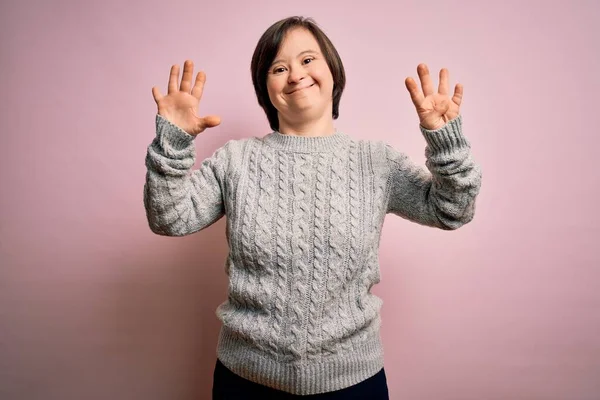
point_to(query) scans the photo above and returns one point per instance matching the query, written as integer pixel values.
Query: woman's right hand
(179, 105)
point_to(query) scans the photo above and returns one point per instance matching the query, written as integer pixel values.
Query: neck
(322, 126)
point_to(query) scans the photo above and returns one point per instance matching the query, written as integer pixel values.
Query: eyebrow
(302, 53)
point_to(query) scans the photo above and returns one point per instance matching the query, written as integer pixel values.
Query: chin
(307, 114)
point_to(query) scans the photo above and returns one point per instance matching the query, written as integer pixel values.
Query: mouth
(300, 89)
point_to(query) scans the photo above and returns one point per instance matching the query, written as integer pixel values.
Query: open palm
(180, 104)
(434, 109)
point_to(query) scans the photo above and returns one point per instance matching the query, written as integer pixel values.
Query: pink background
(95, 306)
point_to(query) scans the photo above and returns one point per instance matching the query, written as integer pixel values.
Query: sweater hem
(304, 377)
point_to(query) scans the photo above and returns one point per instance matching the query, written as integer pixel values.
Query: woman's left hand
(434, 109)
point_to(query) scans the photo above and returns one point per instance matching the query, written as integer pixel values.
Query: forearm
(179, 201)
(444, 195)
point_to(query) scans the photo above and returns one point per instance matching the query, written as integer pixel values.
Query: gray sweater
(304, 218)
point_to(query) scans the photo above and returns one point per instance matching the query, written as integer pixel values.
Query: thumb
(211, 121)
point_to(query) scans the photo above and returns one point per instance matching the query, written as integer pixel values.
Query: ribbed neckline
(304, 144)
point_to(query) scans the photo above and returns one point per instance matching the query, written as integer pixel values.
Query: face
(299, 81)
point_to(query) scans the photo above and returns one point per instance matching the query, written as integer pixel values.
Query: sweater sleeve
(444, 194)
(180, 201)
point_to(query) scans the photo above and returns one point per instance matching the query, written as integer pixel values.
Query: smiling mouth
(297, 90)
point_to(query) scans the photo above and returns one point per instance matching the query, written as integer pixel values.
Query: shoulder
(234, 148)
(235, 154)
(379, 151)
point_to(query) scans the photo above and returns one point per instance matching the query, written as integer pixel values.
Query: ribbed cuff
(446, 139)
(301, 378)
(176, 137)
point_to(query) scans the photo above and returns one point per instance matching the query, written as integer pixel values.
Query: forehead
(297, 40)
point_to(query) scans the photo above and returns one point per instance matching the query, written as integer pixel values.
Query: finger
(199, 85)
(458, 94)
(211, 121)
(173, 78)
(425, 78)
(186, 80)
(156, 94)
(415, 94)
(443, 85)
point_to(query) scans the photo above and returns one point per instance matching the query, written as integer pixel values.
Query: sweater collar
(304, 144)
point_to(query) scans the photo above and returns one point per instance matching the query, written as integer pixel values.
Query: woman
(305, 205)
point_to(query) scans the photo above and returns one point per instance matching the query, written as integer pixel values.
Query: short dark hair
(267, 49)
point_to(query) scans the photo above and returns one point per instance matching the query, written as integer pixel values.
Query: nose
(297, 73)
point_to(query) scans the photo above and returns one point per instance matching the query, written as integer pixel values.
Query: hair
(266, 50)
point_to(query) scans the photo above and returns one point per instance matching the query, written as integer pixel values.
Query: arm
(180, 201)
(444, 194)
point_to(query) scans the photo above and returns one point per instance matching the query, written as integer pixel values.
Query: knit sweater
(304, 218)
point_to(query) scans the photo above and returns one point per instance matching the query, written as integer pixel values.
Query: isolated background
(95, 306)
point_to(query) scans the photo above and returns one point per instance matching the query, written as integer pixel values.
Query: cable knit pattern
(283, 238)
(304, 221)
(319, 281)
(355, 249)
(300, 249)
(332, 325)
(249, 286)
(265, 249)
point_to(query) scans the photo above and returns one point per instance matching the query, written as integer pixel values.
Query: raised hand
(434, 109)
(180, 104)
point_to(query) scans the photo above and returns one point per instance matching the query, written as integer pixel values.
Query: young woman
(305, 205)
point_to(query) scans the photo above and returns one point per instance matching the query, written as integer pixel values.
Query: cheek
(326, 85)
(273, 88)
(326, 80)
(271, 92)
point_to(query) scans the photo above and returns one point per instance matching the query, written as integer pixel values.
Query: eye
(278, 70)
(308, 60)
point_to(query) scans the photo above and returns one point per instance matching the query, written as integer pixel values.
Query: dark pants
(229, 386)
